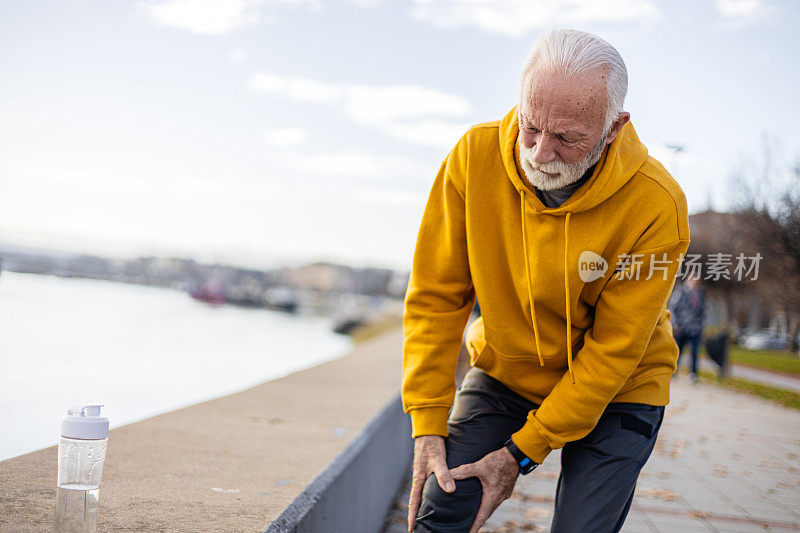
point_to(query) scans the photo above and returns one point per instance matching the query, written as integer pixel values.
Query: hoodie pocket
(558, 360)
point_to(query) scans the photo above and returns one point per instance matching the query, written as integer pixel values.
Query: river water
(138, 350)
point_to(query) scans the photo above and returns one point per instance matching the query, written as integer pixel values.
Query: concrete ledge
(356, 490)
(230, 464)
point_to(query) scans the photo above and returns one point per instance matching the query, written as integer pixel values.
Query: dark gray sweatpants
(598, 472)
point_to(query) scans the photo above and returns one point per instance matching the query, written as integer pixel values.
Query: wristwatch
(526, 464)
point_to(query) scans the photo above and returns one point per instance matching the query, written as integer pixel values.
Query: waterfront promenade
(724, 462)
(230, 464)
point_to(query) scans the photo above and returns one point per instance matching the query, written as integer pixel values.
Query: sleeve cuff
(531, 442)
(429, 421)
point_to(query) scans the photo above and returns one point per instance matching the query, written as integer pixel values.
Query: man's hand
(429, 456)
(498, 472)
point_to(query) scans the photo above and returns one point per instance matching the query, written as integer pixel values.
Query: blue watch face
(526, 466)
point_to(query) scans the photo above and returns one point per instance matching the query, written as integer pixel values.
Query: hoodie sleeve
(626, 315)
(438, 302)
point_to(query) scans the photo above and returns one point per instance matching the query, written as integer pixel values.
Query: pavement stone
(724, 461)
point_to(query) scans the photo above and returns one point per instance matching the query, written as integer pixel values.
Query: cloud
(370, 103)
(285, 137)
(515, 18)
(209, 17)
(411, 113)
(213, 17)
(355, 165)
(738, 14)
(429, 132)
(297, 88)
(238, 55)
(313, 6)
(739, 8)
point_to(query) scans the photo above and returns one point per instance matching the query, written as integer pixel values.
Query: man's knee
(448, 511)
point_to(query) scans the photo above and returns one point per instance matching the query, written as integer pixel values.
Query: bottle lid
(84, 422)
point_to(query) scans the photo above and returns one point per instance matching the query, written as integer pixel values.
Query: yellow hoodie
(548, 330)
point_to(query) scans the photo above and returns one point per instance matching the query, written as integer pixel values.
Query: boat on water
(209, 294)
(216, 294)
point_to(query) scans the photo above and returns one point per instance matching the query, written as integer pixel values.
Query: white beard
(567, 172)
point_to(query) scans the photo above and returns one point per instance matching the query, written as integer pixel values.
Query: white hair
(570, 52)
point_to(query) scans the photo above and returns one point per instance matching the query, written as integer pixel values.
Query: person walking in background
(688, 304)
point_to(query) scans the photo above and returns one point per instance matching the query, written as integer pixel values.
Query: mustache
(553, 167)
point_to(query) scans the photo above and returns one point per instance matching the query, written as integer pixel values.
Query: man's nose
(544, 149)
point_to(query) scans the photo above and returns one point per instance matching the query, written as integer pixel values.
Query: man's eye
(567, 142)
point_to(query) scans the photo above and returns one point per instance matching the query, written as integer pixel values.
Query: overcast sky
(255, 131)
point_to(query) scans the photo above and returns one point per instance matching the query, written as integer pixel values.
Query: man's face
(562, 130)
(557, 174)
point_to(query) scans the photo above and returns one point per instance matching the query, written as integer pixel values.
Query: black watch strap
(526, 464)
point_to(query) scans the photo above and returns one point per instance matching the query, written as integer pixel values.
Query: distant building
(739, 305)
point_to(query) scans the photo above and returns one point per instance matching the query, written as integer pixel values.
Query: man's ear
(622, 119)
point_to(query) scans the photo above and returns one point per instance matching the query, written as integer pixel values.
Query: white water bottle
(81, 454)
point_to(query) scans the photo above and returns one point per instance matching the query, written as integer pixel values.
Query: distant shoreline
(131, 337)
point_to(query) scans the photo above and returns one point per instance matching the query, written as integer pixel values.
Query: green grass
(775, 360)
(783, 397)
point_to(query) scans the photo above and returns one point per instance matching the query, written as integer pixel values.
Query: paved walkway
(774, 379)
(724, 461)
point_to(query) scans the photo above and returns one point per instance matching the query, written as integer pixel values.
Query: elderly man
(570, 235)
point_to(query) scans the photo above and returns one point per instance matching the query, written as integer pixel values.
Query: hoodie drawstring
(530, 290)
(528, 276)
(566, 292)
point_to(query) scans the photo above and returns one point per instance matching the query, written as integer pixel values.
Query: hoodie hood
(620, 161)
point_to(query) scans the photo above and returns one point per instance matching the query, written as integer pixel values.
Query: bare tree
(767, 203)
